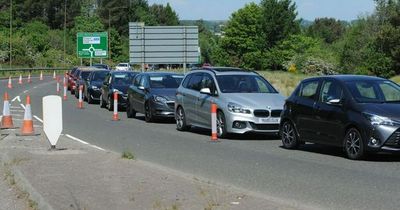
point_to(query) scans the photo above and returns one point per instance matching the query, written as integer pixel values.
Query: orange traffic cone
(115, 114)
(27, 125)
(41, 76)
(54, 75)
(20, 79)
(9, 83)
(6, 121)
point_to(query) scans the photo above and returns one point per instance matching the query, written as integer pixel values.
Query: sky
(307, 9)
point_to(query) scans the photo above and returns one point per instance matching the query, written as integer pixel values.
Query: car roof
(151, 73)
(87, 68)
(129, 72)
(226, 70)
(348, 77)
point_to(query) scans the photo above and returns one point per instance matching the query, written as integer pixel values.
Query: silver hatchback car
(246, 101)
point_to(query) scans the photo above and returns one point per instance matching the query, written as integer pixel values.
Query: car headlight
(160, 99)
(94, 87)
(236, 108)
(380, 120)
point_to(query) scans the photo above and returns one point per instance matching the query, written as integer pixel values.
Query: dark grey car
(153, 94)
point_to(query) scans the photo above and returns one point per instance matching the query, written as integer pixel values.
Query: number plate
(270, 120)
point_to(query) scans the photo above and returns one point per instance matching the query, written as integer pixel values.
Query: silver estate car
(246, 101)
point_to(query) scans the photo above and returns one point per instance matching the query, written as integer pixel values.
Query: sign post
(92, 45)
(52, 118)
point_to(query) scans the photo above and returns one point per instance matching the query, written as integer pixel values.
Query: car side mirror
(205, 91)
(142, 88)
(334, 101)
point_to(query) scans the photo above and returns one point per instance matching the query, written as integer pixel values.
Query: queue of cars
(361, 114)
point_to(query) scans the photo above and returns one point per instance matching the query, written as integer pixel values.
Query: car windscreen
(244, 84)
(165, 81)
(99, 76)
(123, 65)
(85, 74)
(122, 79)
(374, 91)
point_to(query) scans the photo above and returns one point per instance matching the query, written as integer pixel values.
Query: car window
(390, 91)
(122, 79)
(99, 76)
(375, 91)
(195, 82)
(143, 82)
(186, 81)
(309, 90)
(244, 84)
(84, 75)
(165, 81)
(330, 90)
(136, 81)
(208, 82)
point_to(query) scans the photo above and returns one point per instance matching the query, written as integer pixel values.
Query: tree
(278, 21)
(243, 36)
(165, 16)
(328, 29)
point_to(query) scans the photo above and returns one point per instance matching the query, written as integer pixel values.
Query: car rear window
(165, 81)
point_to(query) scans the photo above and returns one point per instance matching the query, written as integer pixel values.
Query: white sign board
(91, 40)
(52, 118)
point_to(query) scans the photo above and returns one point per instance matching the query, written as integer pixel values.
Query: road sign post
(92, 45)
(52, 118)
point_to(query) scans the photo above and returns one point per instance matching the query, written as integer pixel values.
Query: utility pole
(65, 27)
(10, 33)
(109, 37)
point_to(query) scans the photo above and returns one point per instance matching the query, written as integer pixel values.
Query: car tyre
(89, 99)
(354, 144)
(109, 103)
(221, 125)
(130, 112)
(102, 102)
(289, 136)
(180, 118)
(148, 116)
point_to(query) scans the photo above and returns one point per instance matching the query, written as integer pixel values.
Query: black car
(116, 81)
(153, 94)
(82, 76)
(358, 113)
(92, 86)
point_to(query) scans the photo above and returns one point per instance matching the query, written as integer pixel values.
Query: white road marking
(76, 139)
(99, 148)
(16, 98)
(25, 91)
(35, 87)
(84, 142)
(38, 119)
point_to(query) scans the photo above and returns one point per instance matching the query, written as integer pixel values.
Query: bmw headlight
(160, 99)
(380, 120)
(236, 108)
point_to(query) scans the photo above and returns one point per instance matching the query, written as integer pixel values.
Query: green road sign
(92, 45)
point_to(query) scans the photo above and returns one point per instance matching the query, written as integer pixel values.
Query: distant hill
(212, 25)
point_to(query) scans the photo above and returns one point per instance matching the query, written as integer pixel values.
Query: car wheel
(110, 106)
(289, 136)
(130, 113)
(102, 102)
(354, 144)
(221, 125)
(89, 99)
(181, 120)
(148, 116)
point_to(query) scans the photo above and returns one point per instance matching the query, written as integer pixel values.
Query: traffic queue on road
(360, 114)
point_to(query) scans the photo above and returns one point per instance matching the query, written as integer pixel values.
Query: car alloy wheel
(148, 116)
(221, 125)
(354, 145)
(289, 136)
(181, 120)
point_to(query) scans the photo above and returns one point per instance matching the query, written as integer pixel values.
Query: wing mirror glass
(334, 101)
